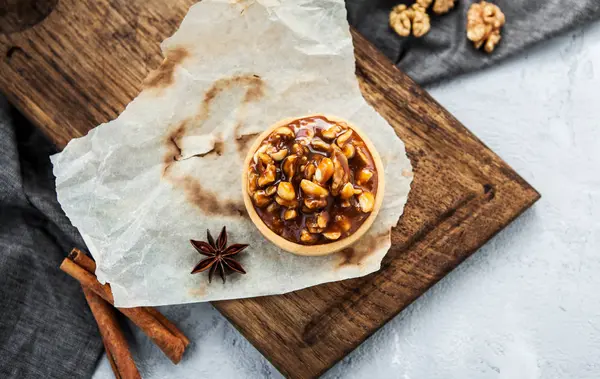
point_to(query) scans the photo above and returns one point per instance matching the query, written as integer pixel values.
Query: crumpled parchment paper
(140, 187)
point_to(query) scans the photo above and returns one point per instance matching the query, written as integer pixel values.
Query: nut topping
(349, 150)
(286, 203)
(284, 132)
(270, 191)
(261, 199)
(298, 149)
(290, 214)
(344, 138)
(364, 176)
(252, 182)
(332, 234)
(324, 171)
(332, 132)
(362, 155)
(307, 237)
(279, 155)
(313, 189)
(289, 166)
(340, 171)
(286, 191)
(366, 200)
(313, 181)
(268, 176)
(343, 222)
(309, 170)
(319, 144)
(312, 204)
(305, 136)
(273, 207)
(347, 192)
(265, 158)
(322, 220)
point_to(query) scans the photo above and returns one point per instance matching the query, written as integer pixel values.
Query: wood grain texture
(84, 62)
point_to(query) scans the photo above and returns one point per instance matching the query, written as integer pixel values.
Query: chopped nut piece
(252, 182)
(289, 166)
(341, 171)
(322, 219)
(279, 155)
(290, 214)
(286, 191)
(324, 171)
(344, 138)
(366, 200)
(360, 154)
(347, 192)
(358, 191)
(313, 189)
(484, 21)
(268, 176)
(403, 19)
(273, 207)
(332, 235)
(261, 199)
(349, 150)
(319, 144)
(298, 149)
(270, 191)
(265, 158)
(309, 170)
(305, 136)
(286, 203)
(284, 132)
(313, 204)
(332, 132)
(260, 150)
(346, 204)
(307, 237)
(343, 222)
(314, 229)
(363, 176)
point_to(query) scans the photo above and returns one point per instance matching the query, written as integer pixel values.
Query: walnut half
(439, 6)
(415, 18)
(484, 21)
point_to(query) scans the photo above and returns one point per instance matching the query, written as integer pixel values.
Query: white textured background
(527, 305)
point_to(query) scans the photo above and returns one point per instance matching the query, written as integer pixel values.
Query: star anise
(219, 255)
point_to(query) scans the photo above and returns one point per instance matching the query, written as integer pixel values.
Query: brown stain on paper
(164, 75)
(197, 292)
(207, 201)
(355, 256)
(173, 150)
(243, 143)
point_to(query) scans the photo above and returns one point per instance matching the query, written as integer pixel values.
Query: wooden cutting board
(79, 66)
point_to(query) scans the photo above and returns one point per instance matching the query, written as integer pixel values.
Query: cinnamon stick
(172, 345)
(168, 324)
(114, 340)
(111, 360)
(87, 263)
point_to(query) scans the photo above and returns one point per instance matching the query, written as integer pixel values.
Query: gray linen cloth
(46, 329)
(445, 52)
